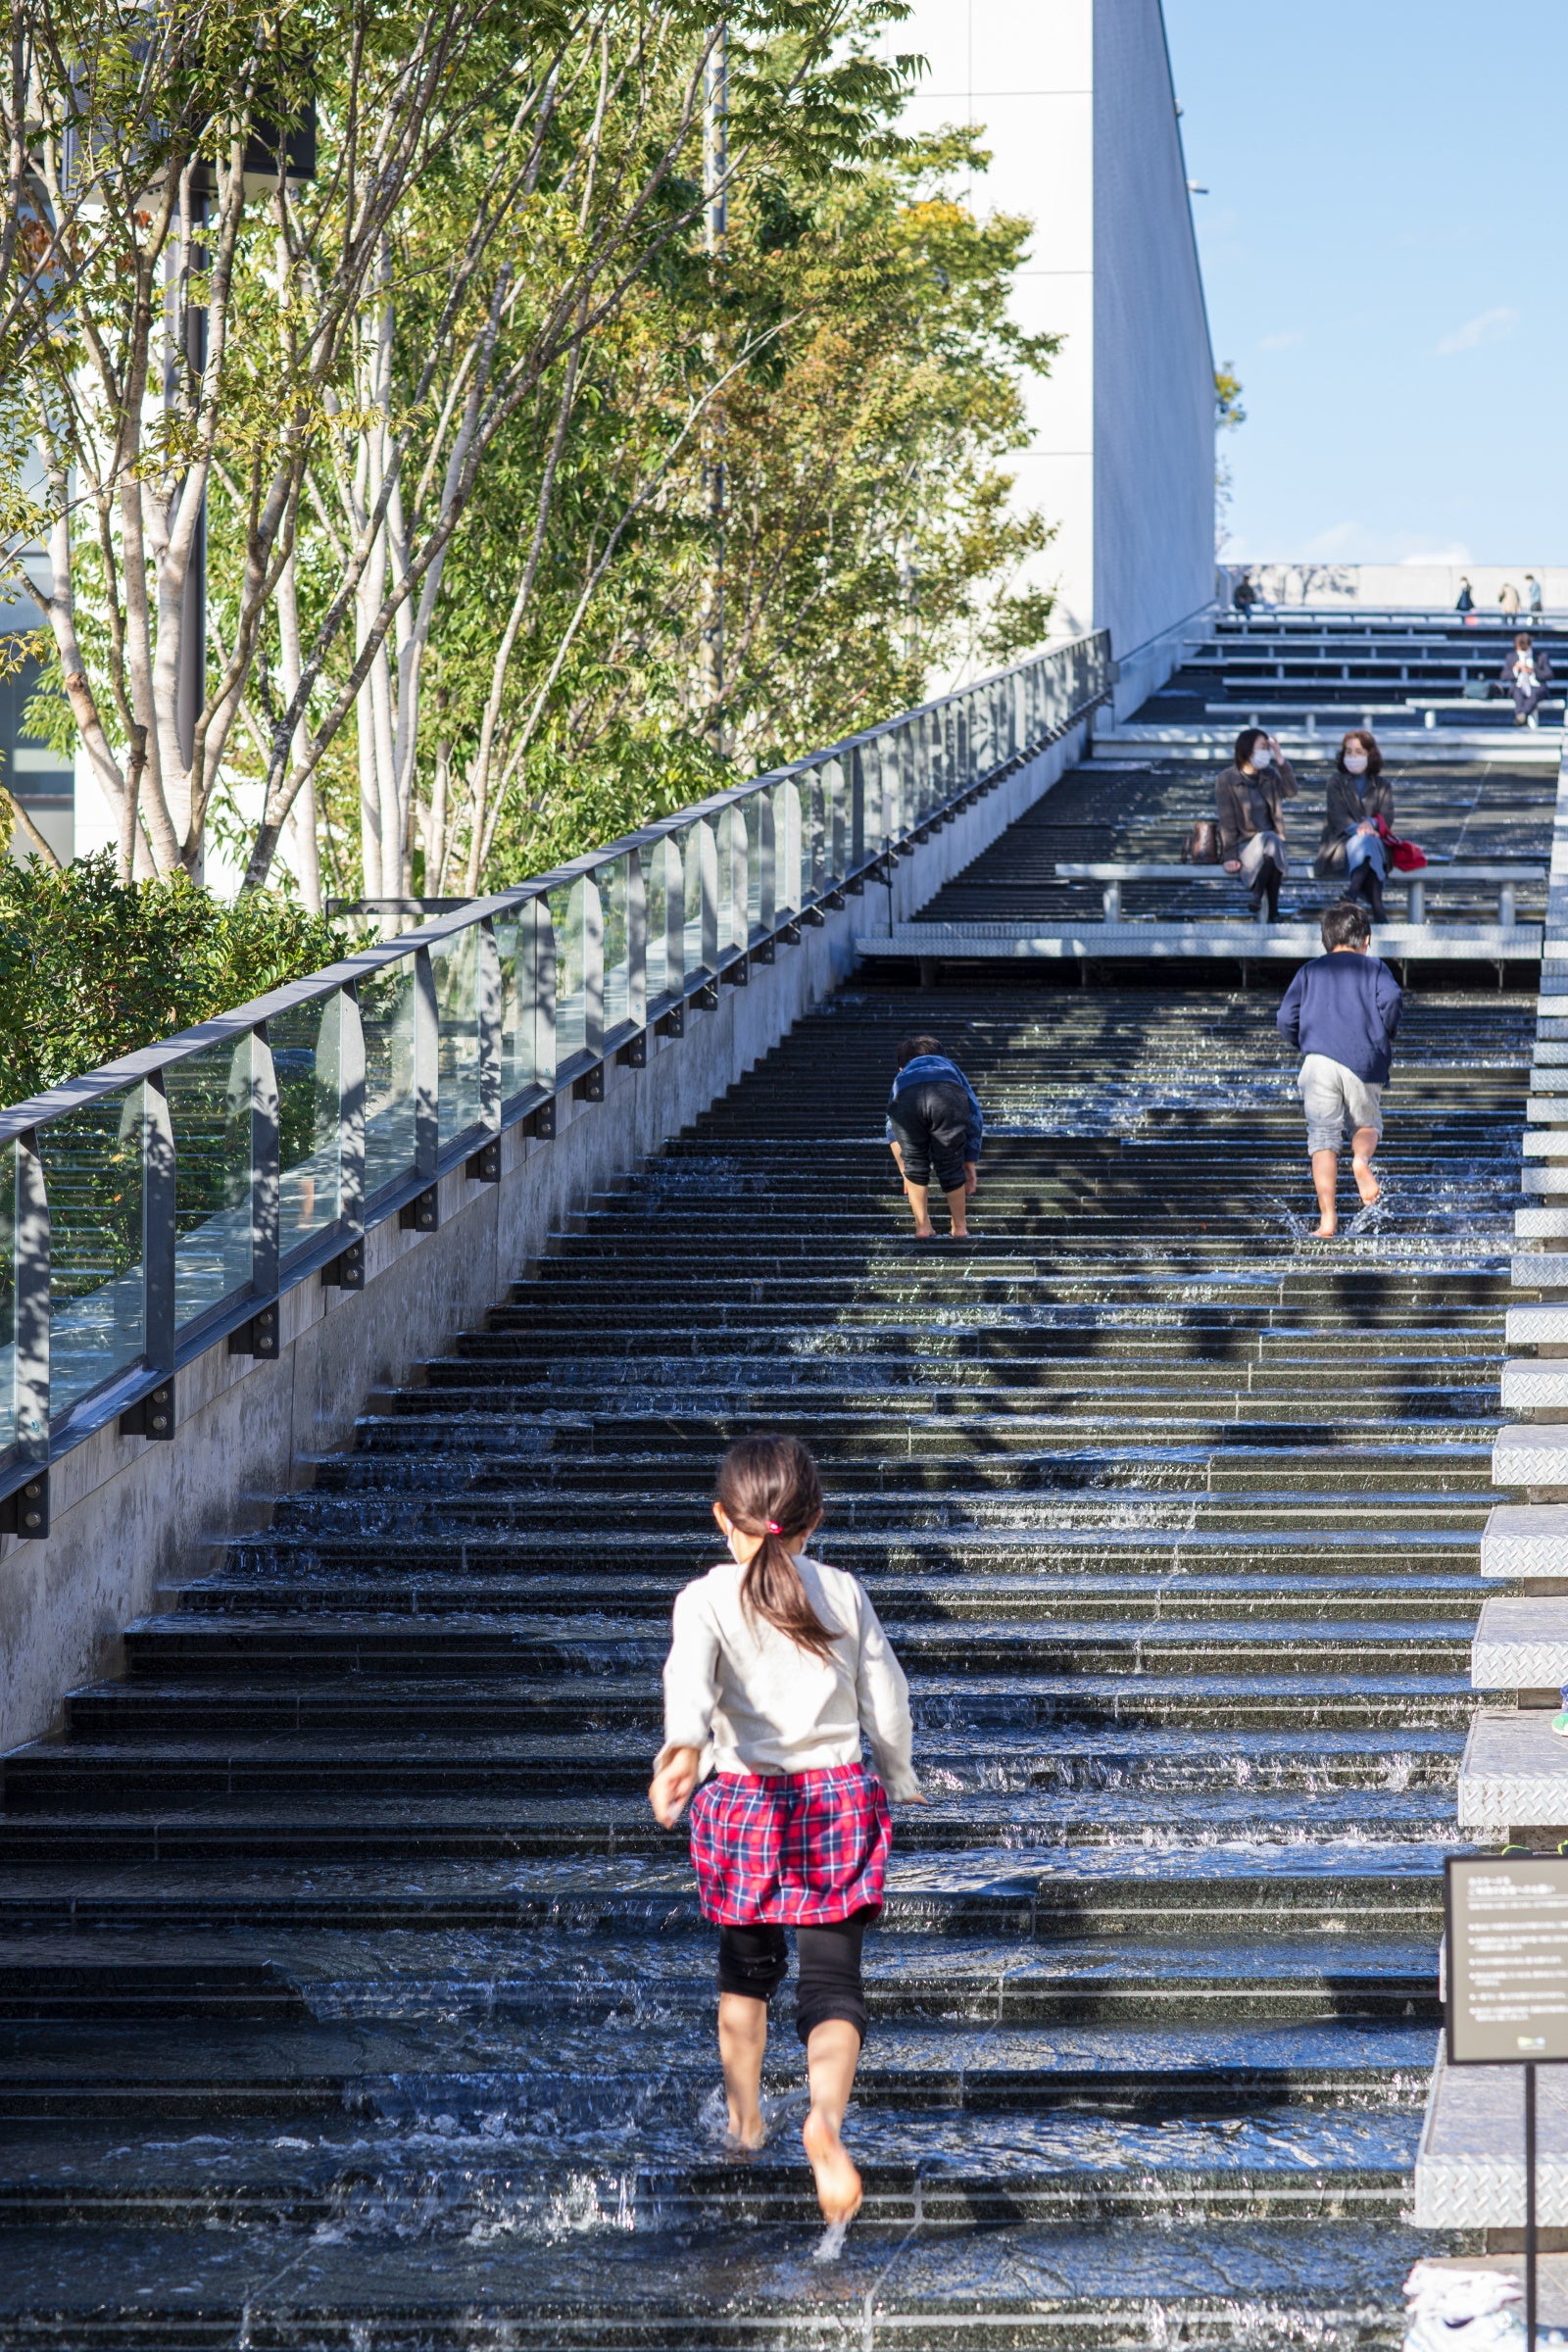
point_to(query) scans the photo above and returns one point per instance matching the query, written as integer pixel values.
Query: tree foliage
(92, 967)
(552, 470)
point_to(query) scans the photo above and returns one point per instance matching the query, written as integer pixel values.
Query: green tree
(92, 967)
(870, 384)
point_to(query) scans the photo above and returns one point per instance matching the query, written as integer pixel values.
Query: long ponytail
(768, 1487)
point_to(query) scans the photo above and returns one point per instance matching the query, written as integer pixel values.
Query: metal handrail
(213, 1171)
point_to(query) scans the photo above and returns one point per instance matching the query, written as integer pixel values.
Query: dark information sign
(1507, 1959)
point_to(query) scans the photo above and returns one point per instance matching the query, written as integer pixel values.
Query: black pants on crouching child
(932, 1125)
(756, 1960)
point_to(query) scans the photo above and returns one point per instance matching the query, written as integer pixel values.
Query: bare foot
(926, 1233)
(1366, 1184)
(837, 2183)
(960, 1233)
(747, 2137)
(1328, 1227)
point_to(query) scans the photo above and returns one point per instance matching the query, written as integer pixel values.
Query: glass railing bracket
(421, 1214)
(25, 1511)
(151, 1417)
(259, 1337)
(346, 1271)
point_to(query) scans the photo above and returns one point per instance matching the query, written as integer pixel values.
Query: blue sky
(1387, 184)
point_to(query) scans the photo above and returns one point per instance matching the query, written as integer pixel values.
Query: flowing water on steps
(354, 1996)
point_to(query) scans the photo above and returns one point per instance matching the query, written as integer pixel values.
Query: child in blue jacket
(934, 1121)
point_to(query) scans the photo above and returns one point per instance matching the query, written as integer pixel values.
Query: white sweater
(753, 1701)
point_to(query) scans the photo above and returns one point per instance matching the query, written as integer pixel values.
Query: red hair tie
(773, 1528)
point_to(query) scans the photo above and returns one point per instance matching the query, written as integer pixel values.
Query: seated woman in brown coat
(1252, 831)
(1350, 843)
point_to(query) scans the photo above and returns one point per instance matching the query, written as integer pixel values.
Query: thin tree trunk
(288, 670)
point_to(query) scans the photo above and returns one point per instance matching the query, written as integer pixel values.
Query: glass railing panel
(306, 1052)
(787, 896)
(92, 1165)
(7, 1298)
(455, 969)
(699, 861)
(656, 866)
(209, 1109)
(566, 916)
(519, 1028)
(615, 906)
(386, 1014)
(733, 860)
(758, 815)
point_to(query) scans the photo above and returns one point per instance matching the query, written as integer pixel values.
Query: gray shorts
(1333, 1098)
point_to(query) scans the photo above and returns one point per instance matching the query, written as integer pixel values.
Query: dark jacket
(935, 1070)
(1348, 808)
(1542, 662)
(1230, 803)
(1348, 1006)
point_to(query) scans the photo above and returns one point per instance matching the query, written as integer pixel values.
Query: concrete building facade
(1077, 104)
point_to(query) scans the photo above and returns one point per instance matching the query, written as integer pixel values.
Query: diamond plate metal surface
(1514, 1772)
(1525, 1539)
(1523, 1456)
(1537, 1327)
(1470, 2170)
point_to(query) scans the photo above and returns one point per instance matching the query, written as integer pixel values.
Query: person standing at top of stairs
(934, 1120)
(776, 1664)
(1350, 843)
(1248, 799)
(1343, 1011)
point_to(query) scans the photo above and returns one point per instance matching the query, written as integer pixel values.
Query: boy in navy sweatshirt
(1342, 1010)
(934, 1121)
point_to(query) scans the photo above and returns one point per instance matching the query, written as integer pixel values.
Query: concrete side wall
(130, 1519)
(1154, 406)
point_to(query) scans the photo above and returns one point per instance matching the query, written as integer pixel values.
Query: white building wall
(1400, 587)
(1076, 102)
(1154, 368)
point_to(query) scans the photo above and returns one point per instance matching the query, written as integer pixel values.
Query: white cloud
(1487, 326)
(1454, 552)
(1335, 540)
(1280, 342)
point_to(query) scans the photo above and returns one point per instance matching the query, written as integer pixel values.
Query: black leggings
(756, 1960)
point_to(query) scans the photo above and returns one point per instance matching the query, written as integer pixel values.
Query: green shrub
(92, 968)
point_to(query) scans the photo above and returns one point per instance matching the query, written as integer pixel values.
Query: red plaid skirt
(802, 1849)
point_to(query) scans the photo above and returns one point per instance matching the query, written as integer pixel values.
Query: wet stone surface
(348, 1996)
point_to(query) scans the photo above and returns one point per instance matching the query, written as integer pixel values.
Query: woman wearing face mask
(1350, 843)
(1252, 831)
